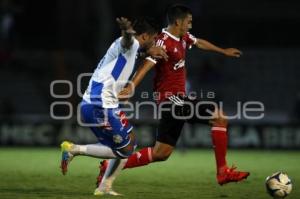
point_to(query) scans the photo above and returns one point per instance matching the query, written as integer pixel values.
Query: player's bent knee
(161, 156)
(220, 120)
(125, 152)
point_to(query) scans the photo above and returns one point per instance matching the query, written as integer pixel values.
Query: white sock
(113, 169)
(95, 150)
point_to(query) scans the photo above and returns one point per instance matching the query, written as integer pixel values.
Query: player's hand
(125, 25)
(232, 52)
(158, 52)
(125, 93)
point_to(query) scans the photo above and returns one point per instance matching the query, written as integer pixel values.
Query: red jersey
(170, 76)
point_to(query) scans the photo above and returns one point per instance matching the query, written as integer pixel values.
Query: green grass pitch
(31, 173)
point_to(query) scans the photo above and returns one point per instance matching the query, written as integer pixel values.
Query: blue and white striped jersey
(111, 75)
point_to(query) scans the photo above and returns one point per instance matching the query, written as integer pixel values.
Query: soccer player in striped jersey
(100, 105)
(170, 84)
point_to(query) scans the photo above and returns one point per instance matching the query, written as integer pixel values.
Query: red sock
(219, 140)
(140, 158)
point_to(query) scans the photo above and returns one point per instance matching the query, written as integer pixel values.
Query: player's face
(185, 24)
(149, 40)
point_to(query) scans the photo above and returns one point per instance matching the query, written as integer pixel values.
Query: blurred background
(43, 41)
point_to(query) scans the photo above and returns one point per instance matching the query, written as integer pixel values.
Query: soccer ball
(279, 185)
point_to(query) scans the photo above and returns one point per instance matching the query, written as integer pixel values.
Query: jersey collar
(170, 35)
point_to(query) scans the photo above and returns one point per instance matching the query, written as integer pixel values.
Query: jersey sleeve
(190, 40)
(115, 49)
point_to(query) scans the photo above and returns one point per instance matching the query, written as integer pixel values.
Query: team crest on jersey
(179, 64)
(117, 139)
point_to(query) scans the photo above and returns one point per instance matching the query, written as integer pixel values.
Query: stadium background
(58, 40)
(44, 41)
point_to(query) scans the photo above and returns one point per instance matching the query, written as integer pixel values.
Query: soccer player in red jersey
(169, 83)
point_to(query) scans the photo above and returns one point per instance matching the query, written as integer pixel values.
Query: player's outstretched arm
(155, 52)
(137, 78)
(127, 32)
(206, 45)
(158, 52)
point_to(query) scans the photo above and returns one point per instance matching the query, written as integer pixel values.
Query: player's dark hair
(145, 25)
(177, 11)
